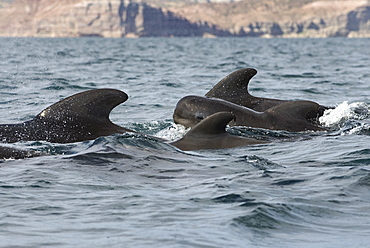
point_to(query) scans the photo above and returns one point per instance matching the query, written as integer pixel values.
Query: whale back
(294, 116)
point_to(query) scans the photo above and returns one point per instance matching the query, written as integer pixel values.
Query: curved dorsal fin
(234, 88)
(234, 85)
(92, 104)
(83, 116)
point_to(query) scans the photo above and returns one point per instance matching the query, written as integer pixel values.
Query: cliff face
(299, 18)
(124, 18)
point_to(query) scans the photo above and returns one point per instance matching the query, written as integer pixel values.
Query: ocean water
(302, 190)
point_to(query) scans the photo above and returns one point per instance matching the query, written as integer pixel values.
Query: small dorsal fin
(210, 133)
(212, 125)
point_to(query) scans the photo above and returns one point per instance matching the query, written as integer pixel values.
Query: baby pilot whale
(85, 116)
(210, 134)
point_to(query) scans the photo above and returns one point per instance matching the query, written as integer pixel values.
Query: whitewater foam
(173, 132)
(343, 112)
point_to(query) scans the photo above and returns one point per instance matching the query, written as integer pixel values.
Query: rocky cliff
(287, 18)
(126, 18)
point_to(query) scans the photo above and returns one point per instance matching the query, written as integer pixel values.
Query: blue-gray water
(302, 190)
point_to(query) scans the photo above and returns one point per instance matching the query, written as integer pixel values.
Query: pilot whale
(210, 134)
(234, 88)
(85, 116)
(290, 116)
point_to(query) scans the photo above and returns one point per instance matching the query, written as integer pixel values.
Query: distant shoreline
(134, 19)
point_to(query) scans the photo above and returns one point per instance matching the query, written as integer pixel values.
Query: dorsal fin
(234, 88)
(83, 116)
(212, 125)
(91, 104)
(234, 85)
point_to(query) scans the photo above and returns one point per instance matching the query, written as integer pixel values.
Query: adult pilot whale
(234, 88)
(85, 116)
(290, 116)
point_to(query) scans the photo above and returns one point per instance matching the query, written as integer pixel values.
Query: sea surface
(302, 190)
